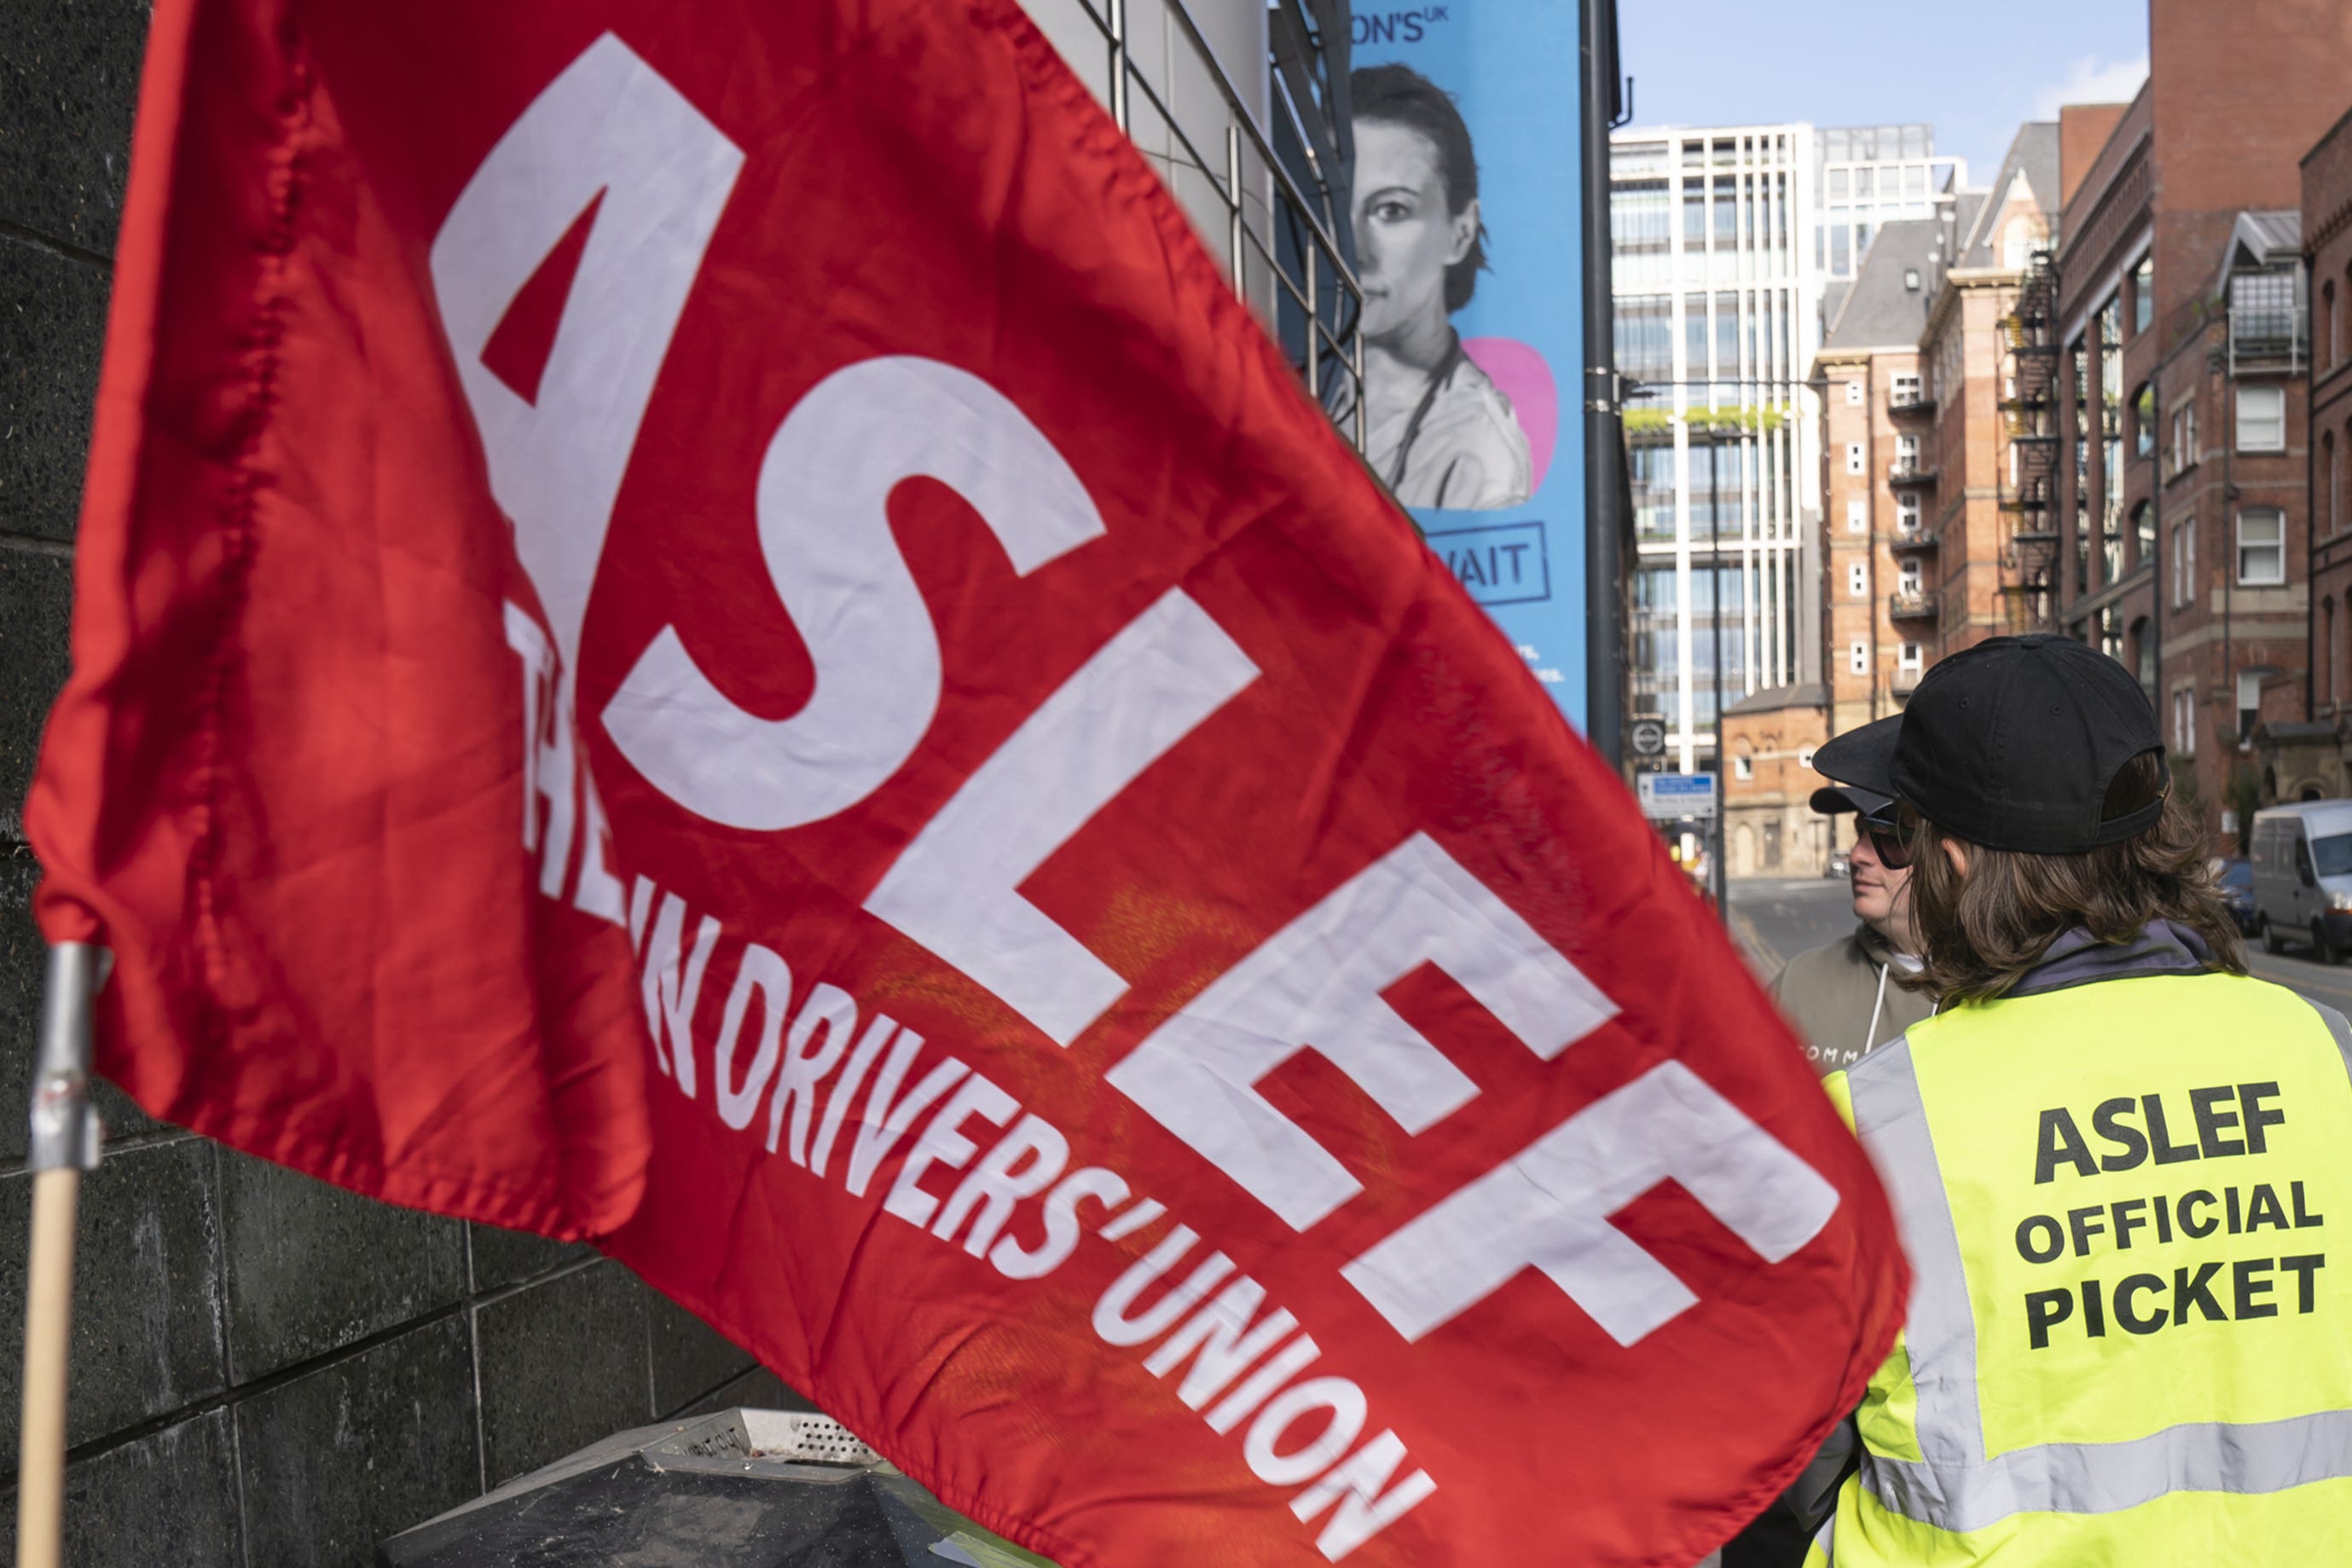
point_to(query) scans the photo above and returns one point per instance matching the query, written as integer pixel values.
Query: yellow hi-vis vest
(2128, 1210)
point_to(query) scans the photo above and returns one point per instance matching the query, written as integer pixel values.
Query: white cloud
(2091, 80)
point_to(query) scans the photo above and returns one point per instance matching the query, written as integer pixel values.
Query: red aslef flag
(705, 626)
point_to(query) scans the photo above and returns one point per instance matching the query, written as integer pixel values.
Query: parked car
(1841, 863)
(2236, 875)
(2303, 877)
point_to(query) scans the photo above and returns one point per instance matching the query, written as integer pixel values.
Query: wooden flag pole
(65, 1143)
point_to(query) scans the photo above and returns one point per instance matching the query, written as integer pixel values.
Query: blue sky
(1974, 70)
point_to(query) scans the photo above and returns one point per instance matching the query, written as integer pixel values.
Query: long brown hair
(1979, 933)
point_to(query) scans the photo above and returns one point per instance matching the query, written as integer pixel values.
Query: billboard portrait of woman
(1437, 428)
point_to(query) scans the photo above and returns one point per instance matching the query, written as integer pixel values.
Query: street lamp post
(1714, 620)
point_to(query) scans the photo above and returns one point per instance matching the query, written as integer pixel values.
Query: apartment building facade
(2314, 756)
(1770, 827)
(1877, 472)
(1987, 380)
(1927, 433)
(2182, 464)
(1722, 240)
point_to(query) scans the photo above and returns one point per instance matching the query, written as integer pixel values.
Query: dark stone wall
(265, 1370)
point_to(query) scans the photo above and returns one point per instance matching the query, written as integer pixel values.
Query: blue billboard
(1468, 217)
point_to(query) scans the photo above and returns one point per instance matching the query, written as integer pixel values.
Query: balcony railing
(1911, 400)
(1913, 538)
(1906, 681)
(2268, 336)
(1912, 606)
(2270, 321)
(1910, 471)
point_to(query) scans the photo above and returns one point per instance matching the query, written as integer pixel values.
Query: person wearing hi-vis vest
(2118, 1162)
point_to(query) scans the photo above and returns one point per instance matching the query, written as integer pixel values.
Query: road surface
(1775, 921)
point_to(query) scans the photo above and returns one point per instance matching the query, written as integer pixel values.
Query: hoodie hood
(2077, 958)
(1878, 948)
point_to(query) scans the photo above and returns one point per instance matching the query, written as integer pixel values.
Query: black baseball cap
(2012, 744)
(1832, 799)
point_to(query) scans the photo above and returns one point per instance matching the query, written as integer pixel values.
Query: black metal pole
(1715, 619)
(1604, 634)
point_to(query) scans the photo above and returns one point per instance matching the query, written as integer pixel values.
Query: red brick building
(2182, 334)
(1981, 440)
(1918, 392)
(1770, 827)
(1877, 477)
(2313, 756)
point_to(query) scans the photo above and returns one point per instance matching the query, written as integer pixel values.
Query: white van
(2303, 877)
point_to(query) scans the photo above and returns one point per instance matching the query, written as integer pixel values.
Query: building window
(2250, 702)
(1905, 391)
(1854, 457)
(2327, 650)
(1908, 659)
(2144, 295)
(1907, 582)
(2184, 561)
(1804, 756)
(2332, 493)
(2143, 534)
(2335, 658)
(1853, 394)
(2184, 438)
(2261, 419)
(2184, 723)
(1907, 512)
(1857, 657)
(2262, 546)
(2144, 421)
(1857, 578)
(1857, 515)
(2327, 322)
(2143, 657)
(1743, 767)
(1907, 454)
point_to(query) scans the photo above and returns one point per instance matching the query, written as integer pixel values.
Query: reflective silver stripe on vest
(1825, 1539)
(1954, 1486)
(1940, 1331)
(2338, 1026)
(2107, 1477)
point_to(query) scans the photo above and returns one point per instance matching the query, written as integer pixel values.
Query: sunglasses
(1887, 841)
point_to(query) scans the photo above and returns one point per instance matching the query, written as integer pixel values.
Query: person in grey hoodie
(1844, 997)
(1848, 996)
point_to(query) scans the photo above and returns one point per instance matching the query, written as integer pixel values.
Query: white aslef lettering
(1548, 1208)
(611, 133)
(824, 530)
(1315, 985)
(955, 888)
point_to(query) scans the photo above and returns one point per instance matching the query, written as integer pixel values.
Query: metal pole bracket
(66, 1131)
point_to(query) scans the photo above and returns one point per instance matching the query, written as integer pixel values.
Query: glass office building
(1725, 240)
(1869, 176)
